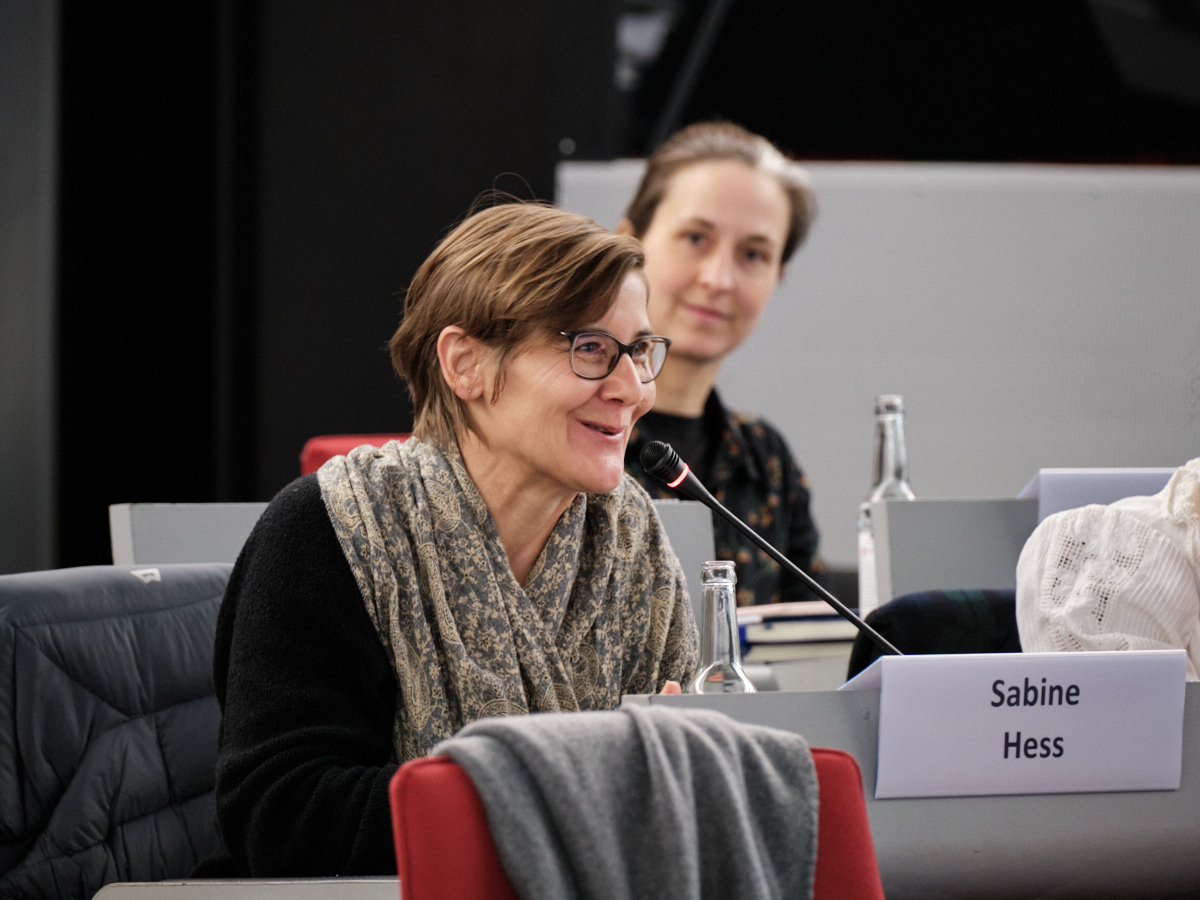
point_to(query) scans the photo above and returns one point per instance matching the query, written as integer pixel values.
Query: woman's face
(551, 428)
(713, 256)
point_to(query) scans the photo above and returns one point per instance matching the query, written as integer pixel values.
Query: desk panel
(1140, 845)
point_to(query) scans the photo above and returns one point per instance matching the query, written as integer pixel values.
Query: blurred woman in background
(719, 212)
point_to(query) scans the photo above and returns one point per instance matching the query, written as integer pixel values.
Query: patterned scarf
(595, 619)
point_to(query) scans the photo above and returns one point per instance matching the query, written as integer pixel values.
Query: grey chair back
(108, 726)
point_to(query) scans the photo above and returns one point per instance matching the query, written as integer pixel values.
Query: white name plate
(1028, 723)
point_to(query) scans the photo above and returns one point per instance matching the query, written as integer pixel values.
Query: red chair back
(846, 864)
(320, 448)
(445, 851)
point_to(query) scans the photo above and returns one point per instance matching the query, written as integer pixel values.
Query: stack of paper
(804, 630)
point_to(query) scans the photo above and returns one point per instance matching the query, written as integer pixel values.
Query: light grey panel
(147, 533)
(1032, 316)
(256, 889)
(1059, 489)
(939, 545)
(689, 528)
(1003, 848)
(152, 533)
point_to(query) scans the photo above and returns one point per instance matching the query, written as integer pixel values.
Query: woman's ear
(625, 227)
(460, 357)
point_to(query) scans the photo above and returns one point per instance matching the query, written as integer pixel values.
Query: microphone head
(661, 461)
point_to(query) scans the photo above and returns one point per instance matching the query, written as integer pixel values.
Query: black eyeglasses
(594, 354)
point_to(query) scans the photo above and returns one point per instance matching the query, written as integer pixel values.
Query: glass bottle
(889, 482)
(721, 669)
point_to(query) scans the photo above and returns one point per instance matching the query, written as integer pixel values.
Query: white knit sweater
(1119, 577)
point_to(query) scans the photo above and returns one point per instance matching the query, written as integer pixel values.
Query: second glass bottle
(721, 669)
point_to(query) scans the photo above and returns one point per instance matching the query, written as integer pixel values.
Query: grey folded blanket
(644, 802)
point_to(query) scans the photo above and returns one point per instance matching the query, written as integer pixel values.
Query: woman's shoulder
(297, 504)
(755, 425)
(293, 532)
(290, 571)
(369, 475)
(765, 439)
(394, 460)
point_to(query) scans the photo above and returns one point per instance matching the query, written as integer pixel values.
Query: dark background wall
(241, 190)
(28, 159)
(377, 131)
(1024, 80)
(245, 190)
(136, 262)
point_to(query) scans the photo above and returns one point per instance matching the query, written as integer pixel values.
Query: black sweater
(308, 699)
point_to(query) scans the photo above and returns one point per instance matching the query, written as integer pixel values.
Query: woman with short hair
(498, 562)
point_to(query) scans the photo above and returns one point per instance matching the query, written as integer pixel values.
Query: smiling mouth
(602, 429)
(706, 314)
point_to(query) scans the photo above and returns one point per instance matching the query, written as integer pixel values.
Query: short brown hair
(712, 142)
(506, 275)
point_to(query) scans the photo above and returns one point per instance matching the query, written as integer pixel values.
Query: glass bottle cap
(889, 403)
(719, 570)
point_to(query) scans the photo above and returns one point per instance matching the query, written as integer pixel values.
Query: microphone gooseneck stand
(662, 462)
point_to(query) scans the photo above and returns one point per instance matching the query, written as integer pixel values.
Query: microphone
(662, 462)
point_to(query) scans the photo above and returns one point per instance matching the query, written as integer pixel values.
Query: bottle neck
(890, 469)
(718, 632)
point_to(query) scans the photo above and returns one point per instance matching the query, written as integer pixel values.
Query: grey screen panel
(1032, 316)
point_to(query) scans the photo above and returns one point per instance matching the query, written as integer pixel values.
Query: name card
(1028, 723)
